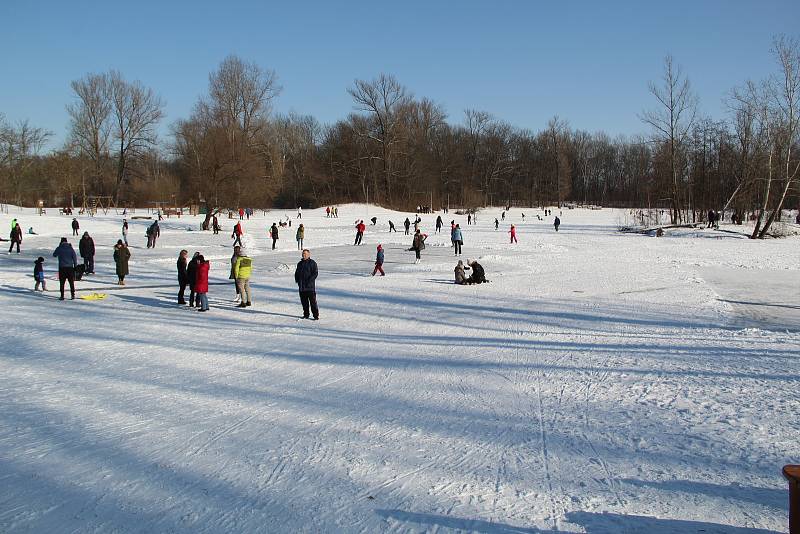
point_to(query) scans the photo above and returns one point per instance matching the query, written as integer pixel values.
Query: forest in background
(399, 150)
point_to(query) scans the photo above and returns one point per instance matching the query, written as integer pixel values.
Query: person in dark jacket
(273, 233)
(183, 278)
(121, 257)
(86, 248)
(191, 276)
(379, 262)
(418, 245)
(391, 227)
(305, 275)
(38, 274)
(439, 224)
(557, 223)
(407, 224)
(16, 236)
(67, 261)
(153, 233)
(75, 226)
(478, 276)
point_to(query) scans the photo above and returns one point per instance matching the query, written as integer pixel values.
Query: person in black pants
(87, 250)
(305, 275)
(67, 261)
(191, 276)
(183, 278)
(16, 237)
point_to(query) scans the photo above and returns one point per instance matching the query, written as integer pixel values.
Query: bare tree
(19, 145)
(784, 93)
(136, 111)
(383, 98)
(90, 124)
(672, 122)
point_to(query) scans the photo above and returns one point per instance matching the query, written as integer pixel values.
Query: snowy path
(598, 384)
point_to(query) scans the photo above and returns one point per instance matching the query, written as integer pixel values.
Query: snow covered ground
(602, 382)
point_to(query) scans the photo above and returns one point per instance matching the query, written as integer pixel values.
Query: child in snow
(38, 274)
(201, 283)
(513, 233)
(379, 262)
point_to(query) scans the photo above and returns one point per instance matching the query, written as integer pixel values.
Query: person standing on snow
(513, 233)
(38, 274)
(67, 262)
(458, 240)
(496, 223)
(379, 262)
(183, 277)
(418, 245)
(360, 229)
(16, 237)
(273, 234)
(86, 248)
(438, 224)
(125, 231)
(299, 236)
(305, 275)
(75, 226)
(201, 283)
(191, 278)
(242, 269)
(407, 224)
(121, 257)
(215, 225)
(557, 223)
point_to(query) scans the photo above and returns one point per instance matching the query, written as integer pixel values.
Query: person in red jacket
(237, 234)
(201, 283)
(513, 233)
(241, 214)
(360, 228)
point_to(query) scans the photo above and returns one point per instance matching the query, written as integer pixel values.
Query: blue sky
(588, 62)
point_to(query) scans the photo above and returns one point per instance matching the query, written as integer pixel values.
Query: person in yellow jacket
(242, 269)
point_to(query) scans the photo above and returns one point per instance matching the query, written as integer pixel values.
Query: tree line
(399, 150)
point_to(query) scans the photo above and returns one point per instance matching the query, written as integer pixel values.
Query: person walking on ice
(67, 262)
(407, 224)
(38, 274)
(299, 236)
(121, 256)
(273, 234)
(379, 262)
(75, 226)
(391, 227)
(458, 240)
(16, 236)
(557, 223)
(496, 223)
(236, 235)
(360, 229)
(305, 275)
(125, 231)
(513, 233)
(242, 269)
(418, 245)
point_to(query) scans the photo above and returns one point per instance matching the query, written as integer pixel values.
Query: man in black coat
(478, 275)
(16, 237)
(86, 248)
(183, 277)
(191, 276)
(305, 276)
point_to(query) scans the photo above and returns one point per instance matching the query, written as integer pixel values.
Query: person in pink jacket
(513, 233)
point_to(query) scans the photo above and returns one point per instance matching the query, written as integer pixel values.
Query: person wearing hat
(121, 256)
(242, 269)
(75, 226)
(461, 276)
(16, 236)
(86, 248)
(67, 261)
(305, 275)
(379, 262)
(38, 274)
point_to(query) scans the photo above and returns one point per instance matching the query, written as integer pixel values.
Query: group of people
(478, 275)
(332, 211)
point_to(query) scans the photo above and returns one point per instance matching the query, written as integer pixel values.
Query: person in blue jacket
(458, 240)
(67, 262)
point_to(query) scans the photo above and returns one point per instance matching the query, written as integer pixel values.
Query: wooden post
(792, 474)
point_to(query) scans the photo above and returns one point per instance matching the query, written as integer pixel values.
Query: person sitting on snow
(478, 275)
